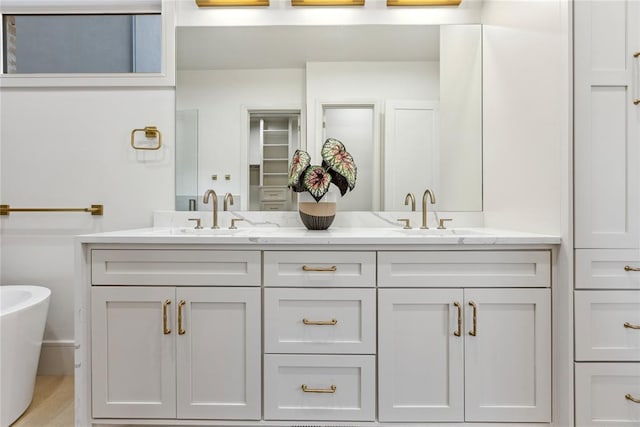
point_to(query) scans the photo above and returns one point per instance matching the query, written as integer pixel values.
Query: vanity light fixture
(327, 2)
(218, 3)
(423, 2)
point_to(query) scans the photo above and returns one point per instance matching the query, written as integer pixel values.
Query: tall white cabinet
(607, 212)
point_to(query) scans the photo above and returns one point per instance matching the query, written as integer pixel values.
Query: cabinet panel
(219, 353)
(320, 321)
(173, 267)
(601, 390)
(605, 269)
(133, 357)
(464, 268)
(337, 387)
(309, 269)
(601, 334)
(420, 359)
(508, 361)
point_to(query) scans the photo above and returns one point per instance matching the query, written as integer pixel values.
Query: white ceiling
(205, 48)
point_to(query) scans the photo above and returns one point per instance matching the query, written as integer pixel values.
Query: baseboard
(56, 358)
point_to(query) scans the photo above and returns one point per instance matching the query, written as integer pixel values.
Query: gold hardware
(407, 223)
(410, 198)
(214, 177)
(307, 268)
(306, 389)
(166, 330)
(94, 209)
(628, 268)
(217, 3)
(637, 54)
(149, 132)
(198, 223)
(441, 223)
(631, 398)
(474, 331)
(180, 305)
(233, 223)
(320, 322)
(227, 177)
(205, 200)
(432, 197)
(228, 200)
(423, 2)
(459, 307)
(630, 326)
(636, 101)
(327, 2)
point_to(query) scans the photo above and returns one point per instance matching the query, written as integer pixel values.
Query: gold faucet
(432, 197)
(412, 198)
(228, 200)
(205, 200)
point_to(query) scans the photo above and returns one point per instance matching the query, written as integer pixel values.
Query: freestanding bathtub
(23, 313)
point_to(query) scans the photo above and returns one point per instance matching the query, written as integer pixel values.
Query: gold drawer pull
(165, 328)
(181, 304)
(629, 268)
(319, 322)
(630, 326)
(331, 389)
(631, 398)
(459, 307)
(636, 101)
(474, 331)
(307, 268)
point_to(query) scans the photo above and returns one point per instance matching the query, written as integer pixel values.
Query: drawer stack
(319, 336)
(607, 337)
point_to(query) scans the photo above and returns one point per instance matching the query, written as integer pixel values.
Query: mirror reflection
(405, 101)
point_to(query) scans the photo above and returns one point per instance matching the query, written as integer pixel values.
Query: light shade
(217, 3)
(327, 2)
(423, 2)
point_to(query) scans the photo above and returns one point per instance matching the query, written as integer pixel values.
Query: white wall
(71, 148)
(220, 96)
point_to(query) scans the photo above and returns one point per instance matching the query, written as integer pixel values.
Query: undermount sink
(190, 231)
(441, 232)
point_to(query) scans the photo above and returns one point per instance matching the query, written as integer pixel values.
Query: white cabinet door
(133, 348)
(420, 357)
(607, 122)
(508, 357)
(219, 353)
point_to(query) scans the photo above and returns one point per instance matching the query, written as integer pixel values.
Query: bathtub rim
(37, 295)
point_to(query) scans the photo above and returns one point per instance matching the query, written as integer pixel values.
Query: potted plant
(316, 205)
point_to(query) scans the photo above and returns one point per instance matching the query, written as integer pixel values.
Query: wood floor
(52, 404)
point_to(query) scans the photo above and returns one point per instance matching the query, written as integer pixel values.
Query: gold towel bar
(149, 132)
(94, 209)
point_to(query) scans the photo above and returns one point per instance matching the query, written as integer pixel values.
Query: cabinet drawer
(338, 388)
(601, 390)
(175, 267)
(601, 334)
(605, 269)
(338, 269)
(273, 194)
(273, 206)
(465, 269)
(320, 321)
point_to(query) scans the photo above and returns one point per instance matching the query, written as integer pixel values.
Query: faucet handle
(198, 223)
(407, 223)
(233, 223)
(441, 223)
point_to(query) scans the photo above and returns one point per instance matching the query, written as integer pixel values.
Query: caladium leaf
(317, 181)
(339, 160)
(337, 179)
(299, 163)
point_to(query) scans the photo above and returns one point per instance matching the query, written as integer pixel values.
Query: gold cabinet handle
(630, 326)
(474, 331)
(319, 322)
(631, 398)
(307, 268)
(181, 304)
(459, 307)
(306, 389)
(636, 101)
(165, 328)
(627, 267)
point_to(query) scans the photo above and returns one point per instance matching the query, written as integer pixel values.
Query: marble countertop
(333, 236)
